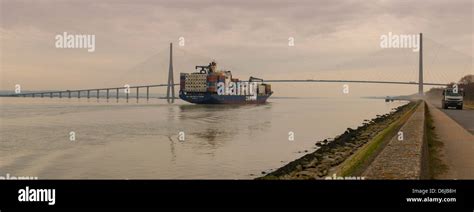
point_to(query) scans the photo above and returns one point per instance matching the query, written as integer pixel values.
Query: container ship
(208, 86)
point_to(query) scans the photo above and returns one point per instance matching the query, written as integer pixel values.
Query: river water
(142, 141)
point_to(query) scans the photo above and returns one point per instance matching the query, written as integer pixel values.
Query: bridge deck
(117, 89)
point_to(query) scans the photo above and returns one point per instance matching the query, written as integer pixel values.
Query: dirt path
(458, 148)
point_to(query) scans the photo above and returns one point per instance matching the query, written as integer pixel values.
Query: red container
(211, 89)
(211, 78)
(181, 84)
(268, 88)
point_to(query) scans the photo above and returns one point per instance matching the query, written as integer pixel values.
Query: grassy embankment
(436, 165)
(358, 162)
(469, 105)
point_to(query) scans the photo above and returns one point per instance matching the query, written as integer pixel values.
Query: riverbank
(330, 154)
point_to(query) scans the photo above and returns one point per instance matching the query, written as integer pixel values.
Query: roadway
(457, 151)
(463, 117)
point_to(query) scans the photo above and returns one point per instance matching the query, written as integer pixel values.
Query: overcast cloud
(333, 39)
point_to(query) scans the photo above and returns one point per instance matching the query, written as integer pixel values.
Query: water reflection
(213, 125)
(142, 141)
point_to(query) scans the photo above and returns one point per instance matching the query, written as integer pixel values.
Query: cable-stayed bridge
(128, 91)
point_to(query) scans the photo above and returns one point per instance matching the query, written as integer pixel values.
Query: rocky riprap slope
(317, 164)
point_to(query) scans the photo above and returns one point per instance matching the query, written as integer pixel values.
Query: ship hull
(213, 98)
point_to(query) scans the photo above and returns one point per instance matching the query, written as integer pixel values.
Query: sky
(332, 40)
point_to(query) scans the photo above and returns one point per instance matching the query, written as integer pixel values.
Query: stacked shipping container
(202, 82)
(194, 82)
(201, 87)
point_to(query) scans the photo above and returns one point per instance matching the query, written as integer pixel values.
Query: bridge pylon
(170, 88)
(420, 71)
